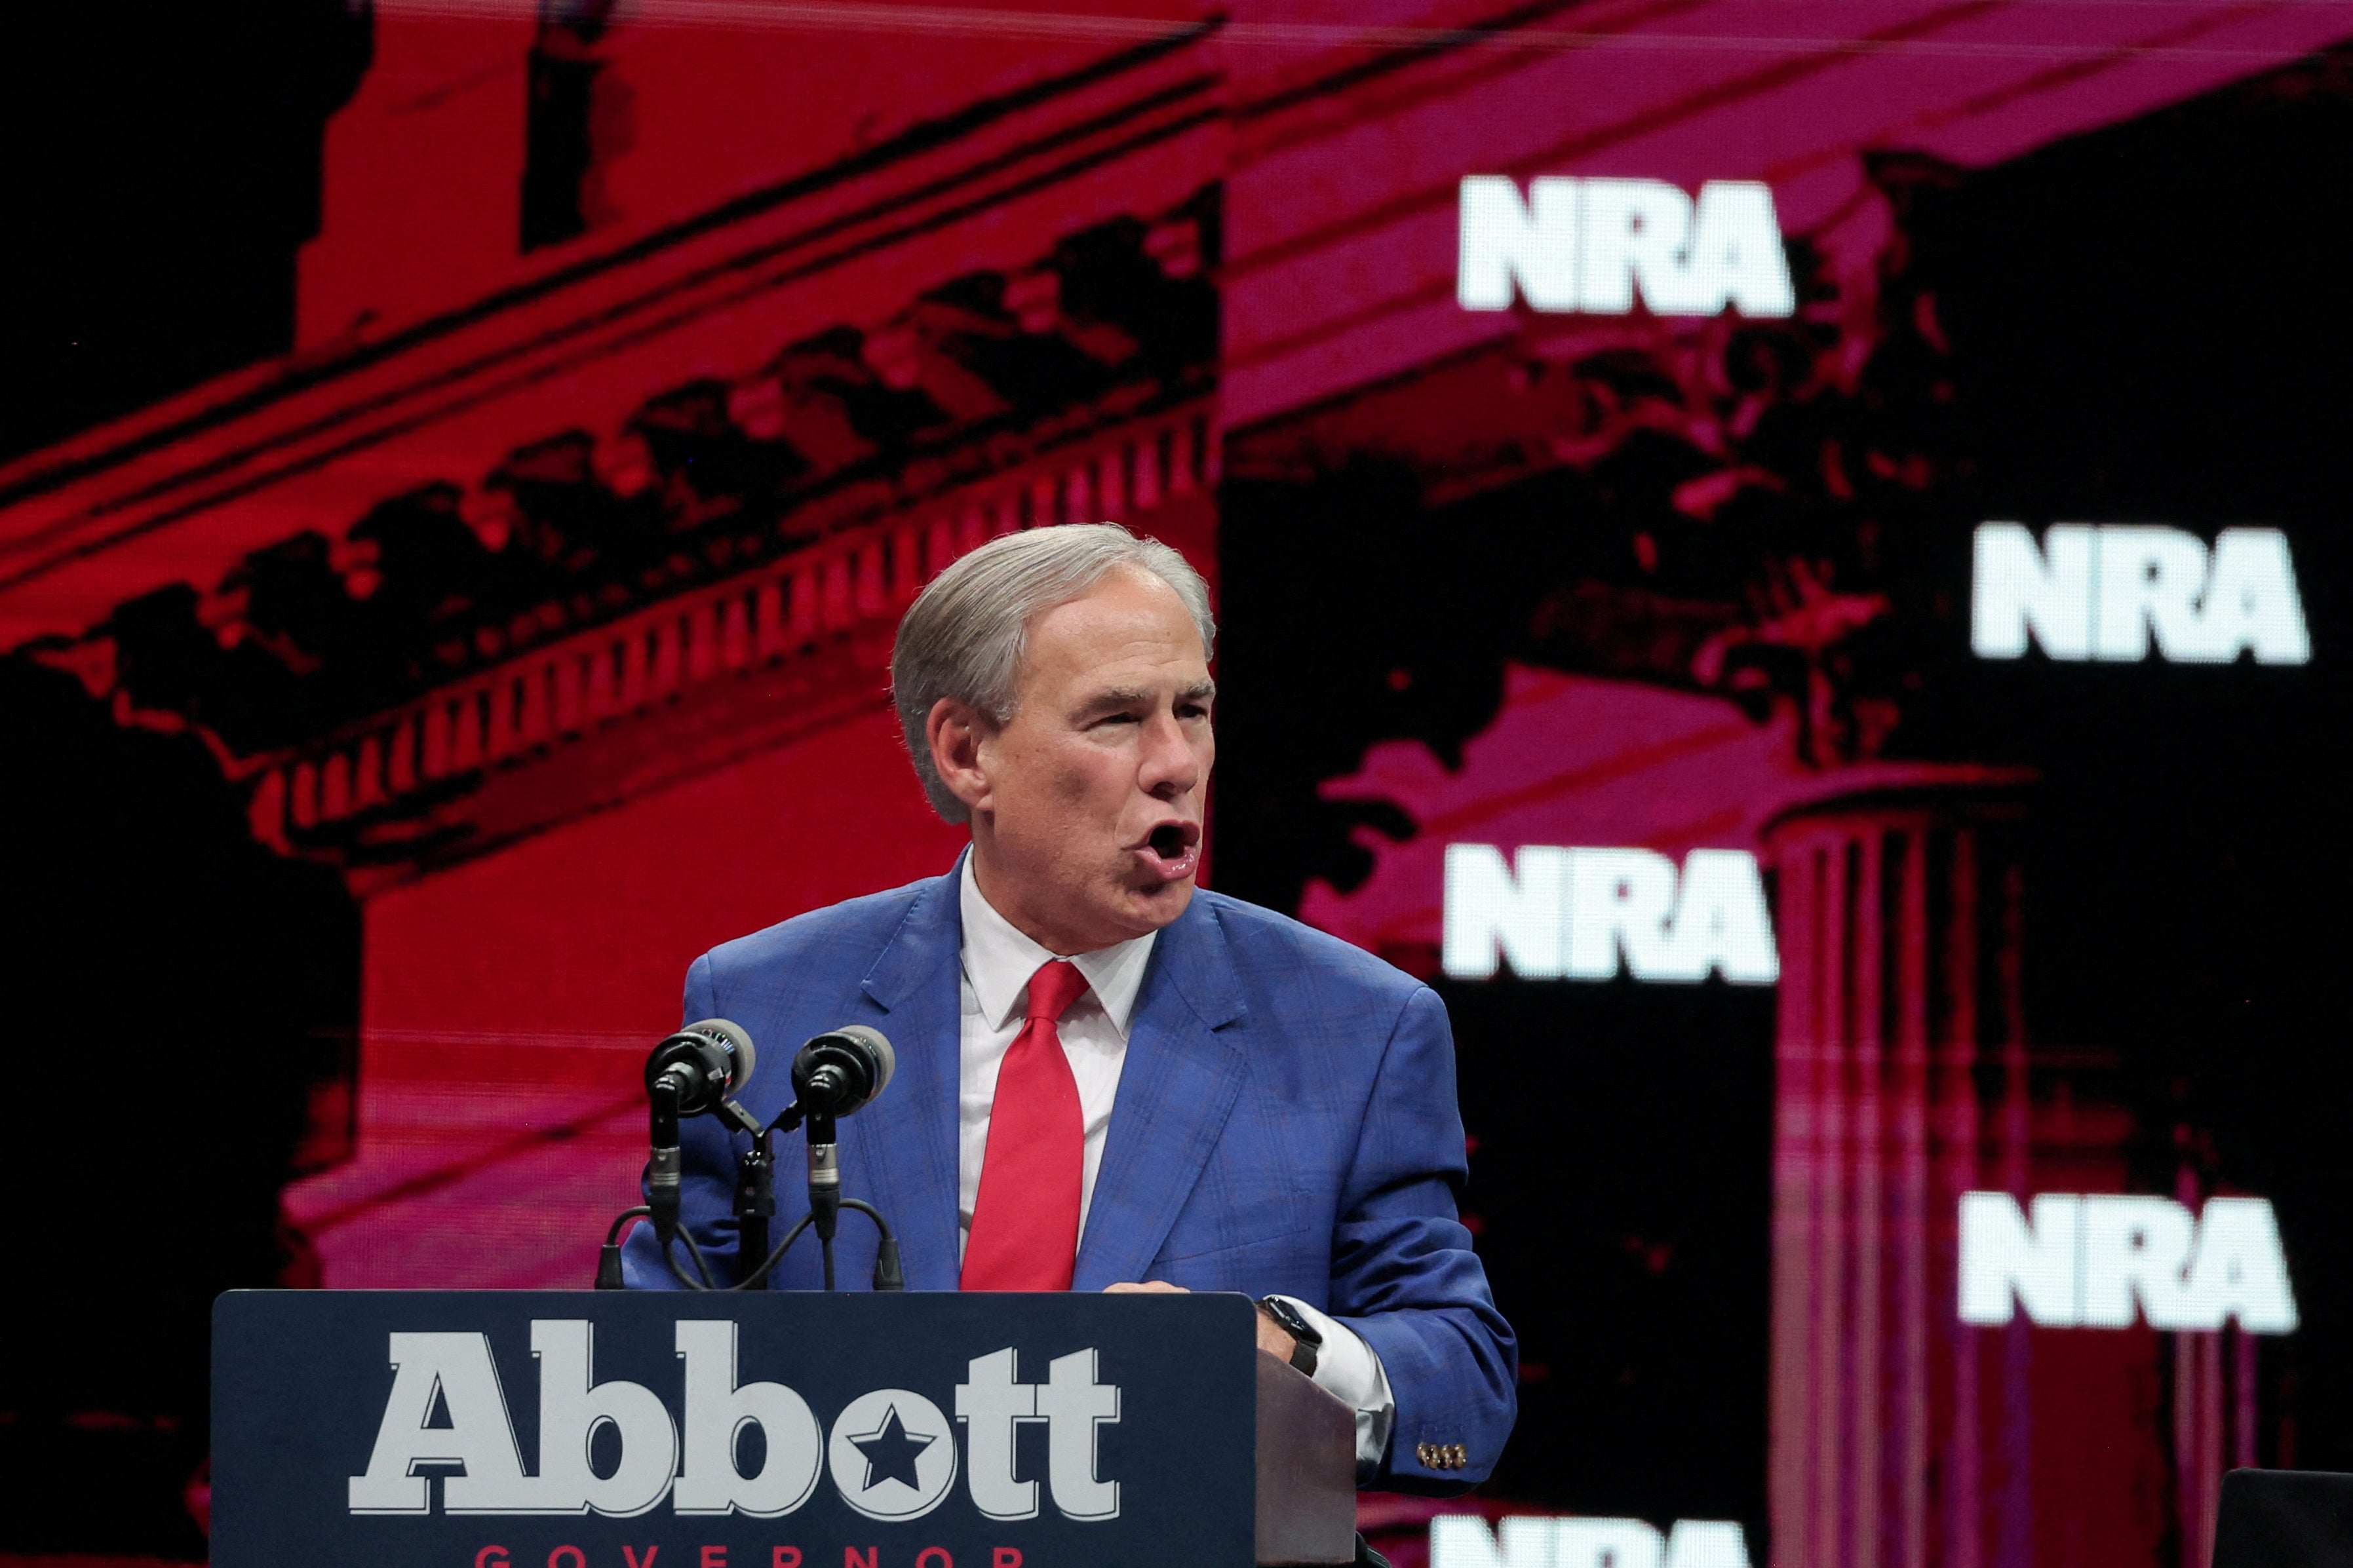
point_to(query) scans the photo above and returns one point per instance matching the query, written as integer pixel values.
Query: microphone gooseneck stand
(755, 1192)
(662, 1167)
(826, 1204)
(755, 1204)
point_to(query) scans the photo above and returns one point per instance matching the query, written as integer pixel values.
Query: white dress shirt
(998, 961)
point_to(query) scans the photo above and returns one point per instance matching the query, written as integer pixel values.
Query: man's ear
(955, 732)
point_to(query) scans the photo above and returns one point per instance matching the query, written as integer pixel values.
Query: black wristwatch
(1288, 1318)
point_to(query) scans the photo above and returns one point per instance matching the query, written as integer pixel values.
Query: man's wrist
(1306, 1340)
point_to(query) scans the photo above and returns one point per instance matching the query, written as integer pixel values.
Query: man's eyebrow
(1136, 696)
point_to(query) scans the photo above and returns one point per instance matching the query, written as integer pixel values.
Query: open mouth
(1172, 849)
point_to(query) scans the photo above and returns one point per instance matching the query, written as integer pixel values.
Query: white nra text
(1580, 913)
(2106, 592)
(2089, 1262)
(1534, 1540)
(1593, 245)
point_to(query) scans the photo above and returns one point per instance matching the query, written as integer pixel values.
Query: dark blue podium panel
(468, 1429)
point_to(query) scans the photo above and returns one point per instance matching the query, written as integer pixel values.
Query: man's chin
(1153, 907)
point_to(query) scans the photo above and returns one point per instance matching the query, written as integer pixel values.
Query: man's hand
(1273, 1338)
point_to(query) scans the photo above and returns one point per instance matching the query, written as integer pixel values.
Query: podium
(778, 1429)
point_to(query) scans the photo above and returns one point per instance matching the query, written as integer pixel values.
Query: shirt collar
(1000, 959)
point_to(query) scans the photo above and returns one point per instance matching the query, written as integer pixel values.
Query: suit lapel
(1175, 1089)
(912, 1127)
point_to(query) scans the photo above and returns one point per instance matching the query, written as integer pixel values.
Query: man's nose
(1170, 766)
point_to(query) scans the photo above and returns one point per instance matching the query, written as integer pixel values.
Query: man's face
(1087, 805)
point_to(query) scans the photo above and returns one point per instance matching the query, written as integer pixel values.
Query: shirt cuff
(1348, 1369)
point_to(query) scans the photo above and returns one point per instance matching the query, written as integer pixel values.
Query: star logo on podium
(890, 1456)
(892, 1451)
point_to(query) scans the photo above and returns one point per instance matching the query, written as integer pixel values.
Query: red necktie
(1025, 1220)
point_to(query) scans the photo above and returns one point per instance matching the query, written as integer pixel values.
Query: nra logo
(891, 1453)
(1594, 245)
(1580, 913)
(1531, 1541)
(2109, 592)
(2089, 1262)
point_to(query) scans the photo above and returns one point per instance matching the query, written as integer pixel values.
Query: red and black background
(461, 462)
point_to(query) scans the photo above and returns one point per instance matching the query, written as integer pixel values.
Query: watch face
(1297, 1327)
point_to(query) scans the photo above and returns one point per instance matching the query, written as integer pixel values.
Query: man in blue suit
(1109, 1079)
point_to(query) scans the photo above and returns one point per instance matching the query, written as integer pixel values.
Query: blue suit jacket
(1286, 1122)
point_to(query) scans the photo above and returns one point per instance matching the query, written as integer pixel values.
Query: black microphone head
(842, 1070)
(709, 1061)
(738, 1042)
(878, 1045)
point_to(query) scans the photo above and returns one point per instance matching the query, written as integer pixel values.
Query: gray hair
(963, 637)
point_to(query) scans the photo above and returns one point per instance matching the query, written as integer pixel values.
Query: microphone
(836, 1073)
(711, 1060)
(689, 1073)
(833, 1075)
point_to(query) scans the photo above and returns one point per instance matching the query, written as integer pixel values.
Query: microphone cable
(888, 1275)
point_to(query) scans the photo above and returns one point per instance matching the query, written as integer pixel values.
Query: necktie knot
(1053, 988)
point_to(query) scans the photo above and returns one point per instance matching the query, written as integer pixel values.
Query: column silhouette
(1907, 1075)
